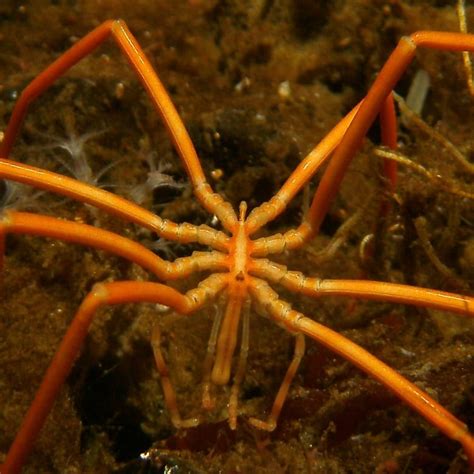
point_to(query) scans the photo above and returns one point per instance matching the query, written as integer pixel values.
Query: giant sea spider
(238, 265)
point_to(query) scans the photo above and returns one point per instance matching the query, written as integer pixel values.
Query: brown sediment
(227, 66)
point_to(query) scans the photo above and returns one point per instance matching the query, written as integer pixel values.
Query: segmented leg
(391, 72)
(119, 31)
(116, 205)
(420, 401)
(46, 226)
(280, 398)
(168, 390)
(366, 289)
(209, 289)
(101, 295)
(295, 238)
(312, 163)
(207, 400)
(241, 367)
(349, 138)
(268, 211)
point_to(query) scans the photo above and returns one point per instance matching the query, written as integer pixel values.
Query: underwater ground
(258, 83)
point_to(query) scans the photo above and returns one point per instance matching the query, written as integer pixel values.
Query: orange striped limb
(129, 46)
(386, 80)
(346, 138)
(115, 205)
(168, 390)
(271, 423)
(235, 258)
(313, 162)
(402, 388)
(101, 295)
(46, 226)
(365, 289)
(300, 176)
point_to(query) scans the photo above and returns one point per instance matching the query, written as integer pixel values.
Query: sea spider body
(237, 266)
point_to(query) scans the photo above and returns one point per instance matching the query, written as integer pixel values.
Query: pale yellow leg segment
(207, 400)
(241, 367)
(271, 422)
(168, 391)
(101, 295)
(401, 387)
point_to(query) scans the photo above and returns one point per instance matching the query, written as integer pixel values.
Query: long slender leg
(207, 400)
(241, 366)
(206, 290)
(271, 422)
(317, 157)
(349, 138)
(46, 226)
(402, 388)
(116, 205)
(382, 87)
(367, 289)
(101, 295)
(168, 390)
(265, 213)
(160, 98)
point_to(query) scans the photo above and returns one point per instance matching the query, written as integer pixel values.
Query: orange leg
(402, 388)
(317, 157)
(105, 294)
(370, 107)
(372, 290)
(115, 205)
(300, 176)
(101, 295)
(241, 367)
(168, 390)
(181, 140)
(280, 398)
(346, 139)
(379, 291)
(34, 224)
(213, 202)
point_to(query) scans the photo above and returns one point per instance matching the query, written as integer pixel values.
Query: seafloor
(258, 83)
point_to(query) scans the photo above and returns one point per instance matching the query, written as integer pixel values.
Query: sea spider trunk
(237, 293)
